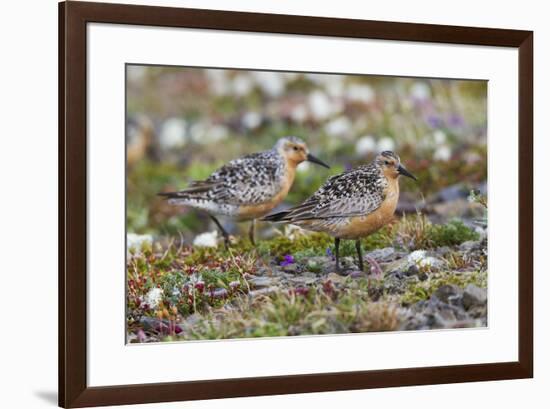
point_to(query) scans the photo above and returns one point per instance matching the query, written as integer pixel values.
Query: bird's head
(391, 166)
(295, 151)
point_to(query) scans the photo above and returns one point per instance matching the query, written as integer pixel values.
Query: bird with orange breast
(247, 188)
(353, 204)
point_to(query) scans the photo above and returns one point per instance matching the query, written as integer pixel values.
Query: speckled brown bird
(249, 187)
(353, 204)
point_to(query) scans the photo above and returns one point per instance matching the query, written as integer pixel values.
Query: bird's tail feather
(275, 217)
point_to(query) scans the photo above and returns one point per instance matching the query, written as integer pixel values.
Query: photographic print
(267, 204)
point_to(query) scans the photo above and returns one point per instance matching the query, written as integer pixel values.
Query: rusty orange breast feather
(254, 211)
(361, 226)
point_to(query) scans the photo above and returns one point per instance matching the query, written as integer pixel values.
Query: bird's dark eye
(295, 148)
(387, 162)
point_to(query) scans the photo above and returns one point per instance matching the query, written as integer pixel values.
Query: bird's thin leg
(251, 232)
(336, 253)
(359, 254)
(225, 234)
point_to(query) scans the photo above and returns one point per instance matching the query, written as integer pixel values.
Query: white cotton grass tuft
(173, 133)
(365, 145)
(440, 137)
(153, 297)
(386, 144)
(252, 120)
(361, 93)
(207, 239)
(136, 241)
(203, 133)
(242, 85)
(442, 153)
(338, 126)
(421, 259)
(299, 113)
(271, 83)
(421, 91)
(320, 105)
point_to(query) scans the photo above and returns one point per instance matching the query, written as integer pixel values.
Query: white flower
(440, 137)
(421, 91)
(208, 239)
(315, 78)
(271, 83)
(173, 133)
(252, 120)
(442, 153)
(135, 241)
(218, 82)
(242, 85)
(386, 144)
(421, 259)
(334, 84)
(338, 126)
(136, 73)
(293, 232)
(299, 113)
(202, 133)
(153, 297)
(365, 145)
(361, 92)
(320, 105)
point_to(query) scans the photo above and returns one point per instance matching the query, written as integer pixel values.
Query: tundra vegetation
(182, 284)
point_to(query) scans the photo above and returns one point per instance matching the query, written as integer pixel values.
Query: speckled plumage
(251, 180)
(347, 198)
(247, 187)
(353, 204)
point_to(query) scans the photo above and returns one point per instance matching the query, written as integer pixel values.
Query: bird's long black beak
(318, 161)
(403, 171)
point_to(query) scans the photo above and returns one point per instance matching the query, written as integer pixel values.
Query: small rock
(469, 245)
(262, 282)
(305, 279)
(452, 193)
(336, 278)
(447, 291)
(263, 291)
(357, 274)
(290, 268)
(384, 254)
(443, 251)
(474, 296)
(412, 270)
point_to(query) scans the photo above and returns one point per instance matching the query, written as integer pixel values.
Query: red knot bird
(351, 205)
(249, 187)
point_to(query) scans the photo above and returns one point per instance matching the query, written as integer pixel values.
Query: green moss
(450, 234)
(423, 290)
(306, 245)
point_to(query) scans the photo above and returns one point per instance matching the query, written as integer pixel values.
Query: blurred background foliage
(183, 123)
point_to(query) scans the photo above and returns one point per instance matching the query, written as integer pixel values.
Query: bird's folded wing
(248, 180)
(345, 195)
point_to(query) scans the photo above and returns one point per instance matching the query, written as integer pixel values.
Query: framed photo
(257, 204)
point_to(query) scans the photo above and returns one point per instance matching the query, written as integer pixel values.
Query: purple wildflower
(219, 293)
(456, 120)
(141, 336)
(288, 259)
(434, 121)
(329, 252)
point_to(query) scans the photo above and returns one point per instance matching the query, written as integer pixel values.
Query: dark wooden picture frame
(73, 18)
